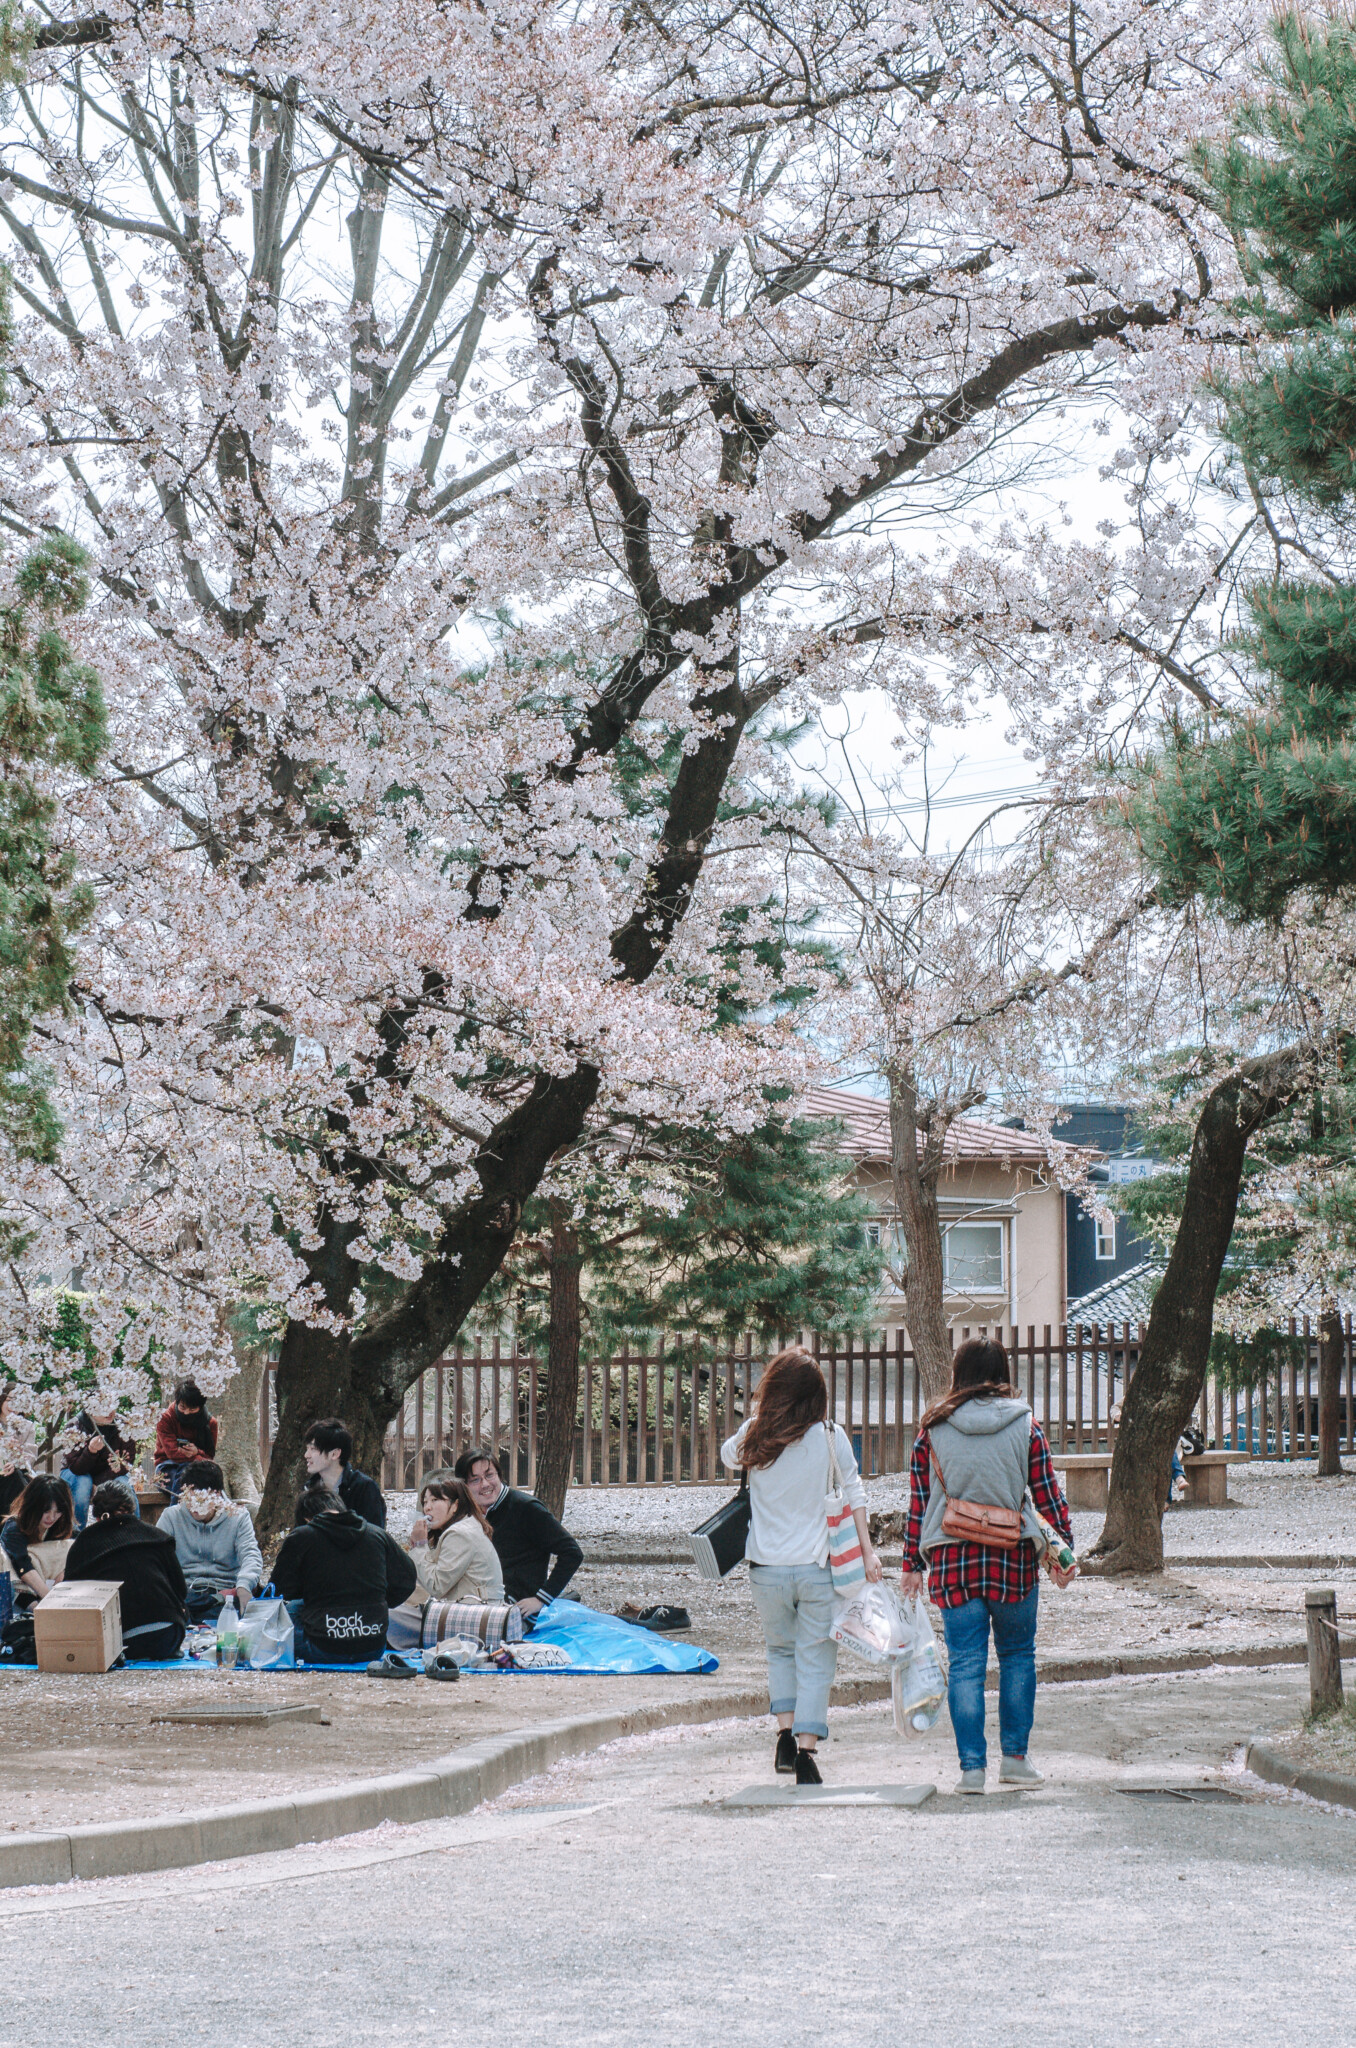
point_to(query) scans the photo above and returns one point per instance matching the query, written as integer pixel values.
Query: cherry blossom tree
(379, 354)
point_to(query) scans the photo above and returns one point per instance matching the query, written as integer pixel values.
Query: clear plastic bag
(875, 1623)
(917, 1680)
(266, 1636)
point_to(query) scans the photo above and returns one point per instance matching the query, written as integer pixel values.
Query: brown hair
(978, 1369)
(40, 1494)
(792, 1398)
(459, 1494)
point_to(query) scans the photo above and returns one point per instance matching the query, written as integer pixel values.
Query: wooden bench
(1087, 1478)
(152, 1500)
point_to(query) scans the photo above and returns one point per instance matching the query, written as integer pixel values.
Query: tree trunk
(1171, 1371)
(914, 1183)
(238, 1447)
(555, 1455)
(1331, 1351)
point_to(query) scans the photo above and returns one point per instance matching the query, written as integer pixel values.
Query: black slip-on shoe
(807, 1770)
(664, 1621)
(392, 1665)
(785, 1759)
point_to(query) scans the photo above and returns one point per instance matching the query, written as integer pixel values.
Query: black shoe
(807, 1770)
(665, 1621)
(786, 1752)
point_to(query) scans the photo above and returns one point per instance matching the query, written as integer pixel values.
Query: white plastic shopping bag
(874, 1622)
(917, 1680)
(266, 1636)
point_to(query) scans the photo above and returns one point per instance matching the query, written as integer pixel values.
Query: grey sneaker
(1017, 1771)
(971, 1781)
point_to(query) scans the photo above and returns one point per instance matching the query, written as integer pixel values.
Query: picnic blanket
(600, 1645)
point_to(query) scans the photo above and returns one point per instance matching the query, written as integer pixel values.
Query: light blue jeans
(967, 1645)
(795, 1606)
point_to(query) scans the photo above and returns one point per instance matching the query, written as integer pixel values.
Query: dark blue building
(1096, 1252)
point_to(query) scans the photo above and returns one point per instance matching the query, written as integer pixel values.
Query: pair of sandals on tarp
(570, 1638)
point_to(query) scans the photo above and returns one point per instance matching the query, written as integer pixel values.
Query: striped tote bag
(846, 1563)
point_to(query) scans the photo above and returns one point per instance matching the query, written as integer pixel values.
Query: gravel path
(616, 1904)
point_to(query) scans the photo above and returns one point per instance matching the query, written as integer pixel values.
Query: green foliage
(1244, 810)
(51, 718)
(708, 1238)
(1241, 1363)
(771, 1239)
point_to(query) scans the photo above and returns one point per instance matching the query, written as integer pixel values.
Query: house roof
(866, 1131)
(1126, 1299)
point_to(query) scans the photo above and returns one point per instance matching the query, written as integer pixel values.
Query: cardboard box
(78, 1626)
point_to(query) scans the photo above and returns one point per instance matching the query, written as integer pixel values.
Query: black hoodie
(348, 1576)
(144, 1563)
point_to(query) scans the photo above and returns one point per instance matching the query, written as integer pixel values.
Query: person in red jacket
(185, 1435)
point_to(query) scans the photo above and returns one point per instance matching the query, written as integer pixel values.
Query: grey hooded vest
(985, 1452)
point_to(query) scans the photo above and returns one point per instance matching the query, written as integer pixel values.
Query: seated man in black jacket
(329, 1460)
(525, 1534)
(341, 1576)
(115, 1545)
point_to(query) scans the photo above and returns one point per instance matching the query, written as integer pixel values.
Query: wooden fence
(660, 1417)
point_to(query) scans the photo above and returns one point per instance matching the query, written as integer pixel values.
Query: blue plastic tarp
(599, 1644)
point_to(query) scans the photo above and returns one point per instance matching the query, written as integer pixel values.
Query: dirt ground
(81, 1749)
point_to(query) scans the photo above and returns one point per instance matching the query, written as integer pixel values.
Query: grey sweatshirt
(220, 1553)
(984, 1451)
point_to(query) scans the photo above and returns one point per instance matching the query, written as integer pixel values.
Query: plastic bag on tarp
(266, 1636)
(917, 1680)
(874, 1622)
(598, 1643)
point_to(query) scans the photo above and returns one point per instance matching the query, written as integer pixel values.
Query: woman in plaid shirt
(984, 1443)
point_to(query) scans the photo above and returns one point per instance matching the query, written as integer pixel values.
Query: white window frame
(1103, 1233)
(954, 1286)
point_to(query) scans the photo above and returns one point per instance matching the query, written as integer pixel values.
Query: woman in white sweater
(461, 1562)
(785, 1446)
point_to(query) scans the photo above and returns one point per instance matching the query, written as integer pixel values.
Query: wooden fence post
(1325, 1661)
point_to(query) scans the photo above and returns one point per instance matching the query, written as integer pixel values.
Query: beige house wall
(1030, 1213)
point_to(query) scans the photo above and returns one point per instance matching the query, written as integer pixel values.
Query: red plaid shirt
(975, 1571)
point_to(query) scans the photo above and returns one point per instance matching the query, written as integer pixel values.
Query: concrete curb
(454, 1784)
(1249, 1561)
(1277, 1769)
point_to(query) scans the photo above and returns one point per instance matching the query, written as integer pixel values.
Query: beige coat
(462, 1565)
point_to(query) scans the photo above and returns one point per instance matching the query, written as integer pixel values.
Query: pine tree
(51, 719)
(699, 1238)
(1244, 810)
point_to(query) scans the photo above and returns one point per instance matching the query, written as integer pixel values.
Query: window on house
(974, 1258)
(1105, 1227)
(873, 1235)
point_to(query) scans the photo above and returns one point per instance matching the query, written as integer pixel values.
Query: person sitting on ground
(340, 1577)
(99, 1454)
(185, 1435)
(18, 1452)
(215, 1543)
(116, 1546)
(37, 1538)
(460, 1562)
(526, 1534)
(329, 1462)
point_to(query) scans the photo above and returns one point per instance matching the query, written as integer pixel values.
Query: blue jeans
(967, 1644)
(795, 1606)
(82, 1493)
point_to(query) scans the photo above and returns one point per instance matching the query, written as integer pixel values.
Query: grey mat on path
(830, 1795)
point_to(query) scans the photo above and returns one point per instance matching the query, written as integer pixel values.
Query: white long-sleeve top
(788, 1524)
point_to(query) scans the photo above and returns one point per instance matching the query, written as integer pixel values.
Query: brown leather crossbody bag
(971, 1521)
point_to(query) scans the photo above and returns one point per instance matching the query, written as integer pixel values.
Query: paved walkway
(615, 1902)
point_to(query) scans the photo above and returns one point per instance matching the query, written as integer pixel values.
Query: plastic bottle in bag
(917, 1691)
(228, 1634)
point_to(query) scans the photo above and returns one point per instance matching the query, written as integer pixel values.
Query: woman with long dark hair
(981, 1444)
(784, 1445)
(37, 1537)
(461, 1562)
